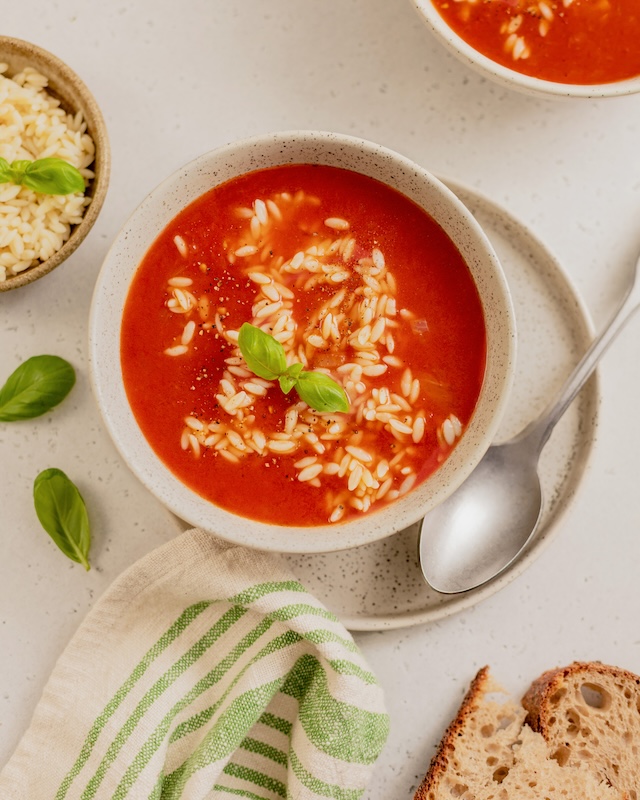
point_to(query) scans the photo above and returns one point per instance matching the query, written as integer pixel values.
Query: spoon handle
(540, 429)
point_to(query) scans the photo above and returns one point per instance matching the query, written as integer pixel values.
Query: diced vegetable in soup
(564, 41)
(354, 281)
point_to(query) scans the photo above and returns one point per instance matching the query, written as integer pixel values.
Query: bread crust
(556, 711)
(536, 699)
(440, 761)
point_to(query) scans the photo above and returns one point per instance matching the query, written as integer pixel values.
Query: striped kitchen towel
(205, 671)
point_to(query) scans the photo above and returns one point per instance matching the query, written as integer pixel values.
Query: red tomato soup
(564, 41)
(354, 280)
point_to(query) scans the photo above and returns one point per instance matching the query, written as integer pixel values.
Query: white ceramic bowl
(510, 77)
(219, 166)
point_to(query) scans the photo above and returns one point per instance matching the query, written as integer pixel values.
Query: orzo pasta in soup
(354, 280)
(565, 41)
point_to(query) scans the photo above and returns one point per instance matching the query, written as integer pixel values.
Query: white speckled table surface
(174, 80)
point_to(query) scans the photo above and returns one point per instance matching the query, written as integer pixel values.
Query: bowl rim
(108, 301)
(101, 165)
(510, 77)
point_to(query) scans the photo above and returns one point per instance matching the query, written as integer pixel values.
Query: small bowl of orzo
(54, 162)
(315, 342)
(566, 48)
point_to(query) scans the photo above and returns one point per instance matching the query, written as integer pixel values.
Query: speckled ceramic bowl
(510, 77)
(216, 167)
(74, 96)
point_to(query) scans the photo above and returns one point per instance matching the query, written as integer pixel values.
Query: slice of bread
(590, 713)
(489, 753)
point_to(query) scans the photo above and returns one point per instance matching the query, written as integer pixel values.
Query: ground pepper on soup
(354, 280)
(564, 41)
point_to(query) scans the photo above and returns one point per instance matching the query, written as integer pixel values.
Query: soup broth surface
(564, 41)
(354, 280)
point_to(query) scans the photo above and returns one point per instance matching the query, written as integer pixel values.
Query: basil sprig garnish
(265, 357)
(63, 514)
(35, 387)
(320, 392)
(45, 175)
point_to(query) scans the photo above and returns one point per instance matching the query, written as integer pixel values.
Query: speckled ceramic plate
(379, 585)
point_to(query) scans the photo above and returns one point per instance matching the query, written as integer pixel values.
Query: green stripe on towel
(239, 695)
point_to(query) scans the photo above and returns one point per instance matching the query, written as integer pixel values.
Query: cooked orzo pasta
(354, 280)
(34, 226)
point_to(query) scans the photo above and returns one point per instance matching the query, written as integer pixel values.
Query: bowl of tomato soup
(575, 48)
(301, 342)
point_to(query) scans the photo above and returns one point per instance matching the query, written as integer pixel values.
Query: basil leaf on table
(35, 387)
(265, 357)
(63, 514)
(44, 175)
(321, 392)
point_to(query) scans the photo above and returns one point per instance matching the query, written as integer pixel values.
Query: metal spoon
(483, 527)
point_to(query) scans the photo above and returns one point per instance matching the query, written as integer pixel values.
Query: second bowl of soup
(566, 48)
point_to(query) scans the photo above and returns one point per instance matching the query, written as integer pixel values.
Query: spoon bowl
(483, 527)
(476, 548)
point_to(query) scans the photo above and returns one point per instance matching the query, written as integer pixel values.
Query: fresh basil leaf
(52, 176)
(63, 514)
(35, 387)
(5, 171)
(289, 378)
(294, 370)
(17, 170)
(286, 383)
(321, 392)
(264, 355)
(45, 175)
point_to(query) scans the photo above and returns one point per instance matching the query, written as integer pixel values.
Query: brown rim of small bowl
(74, 96)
